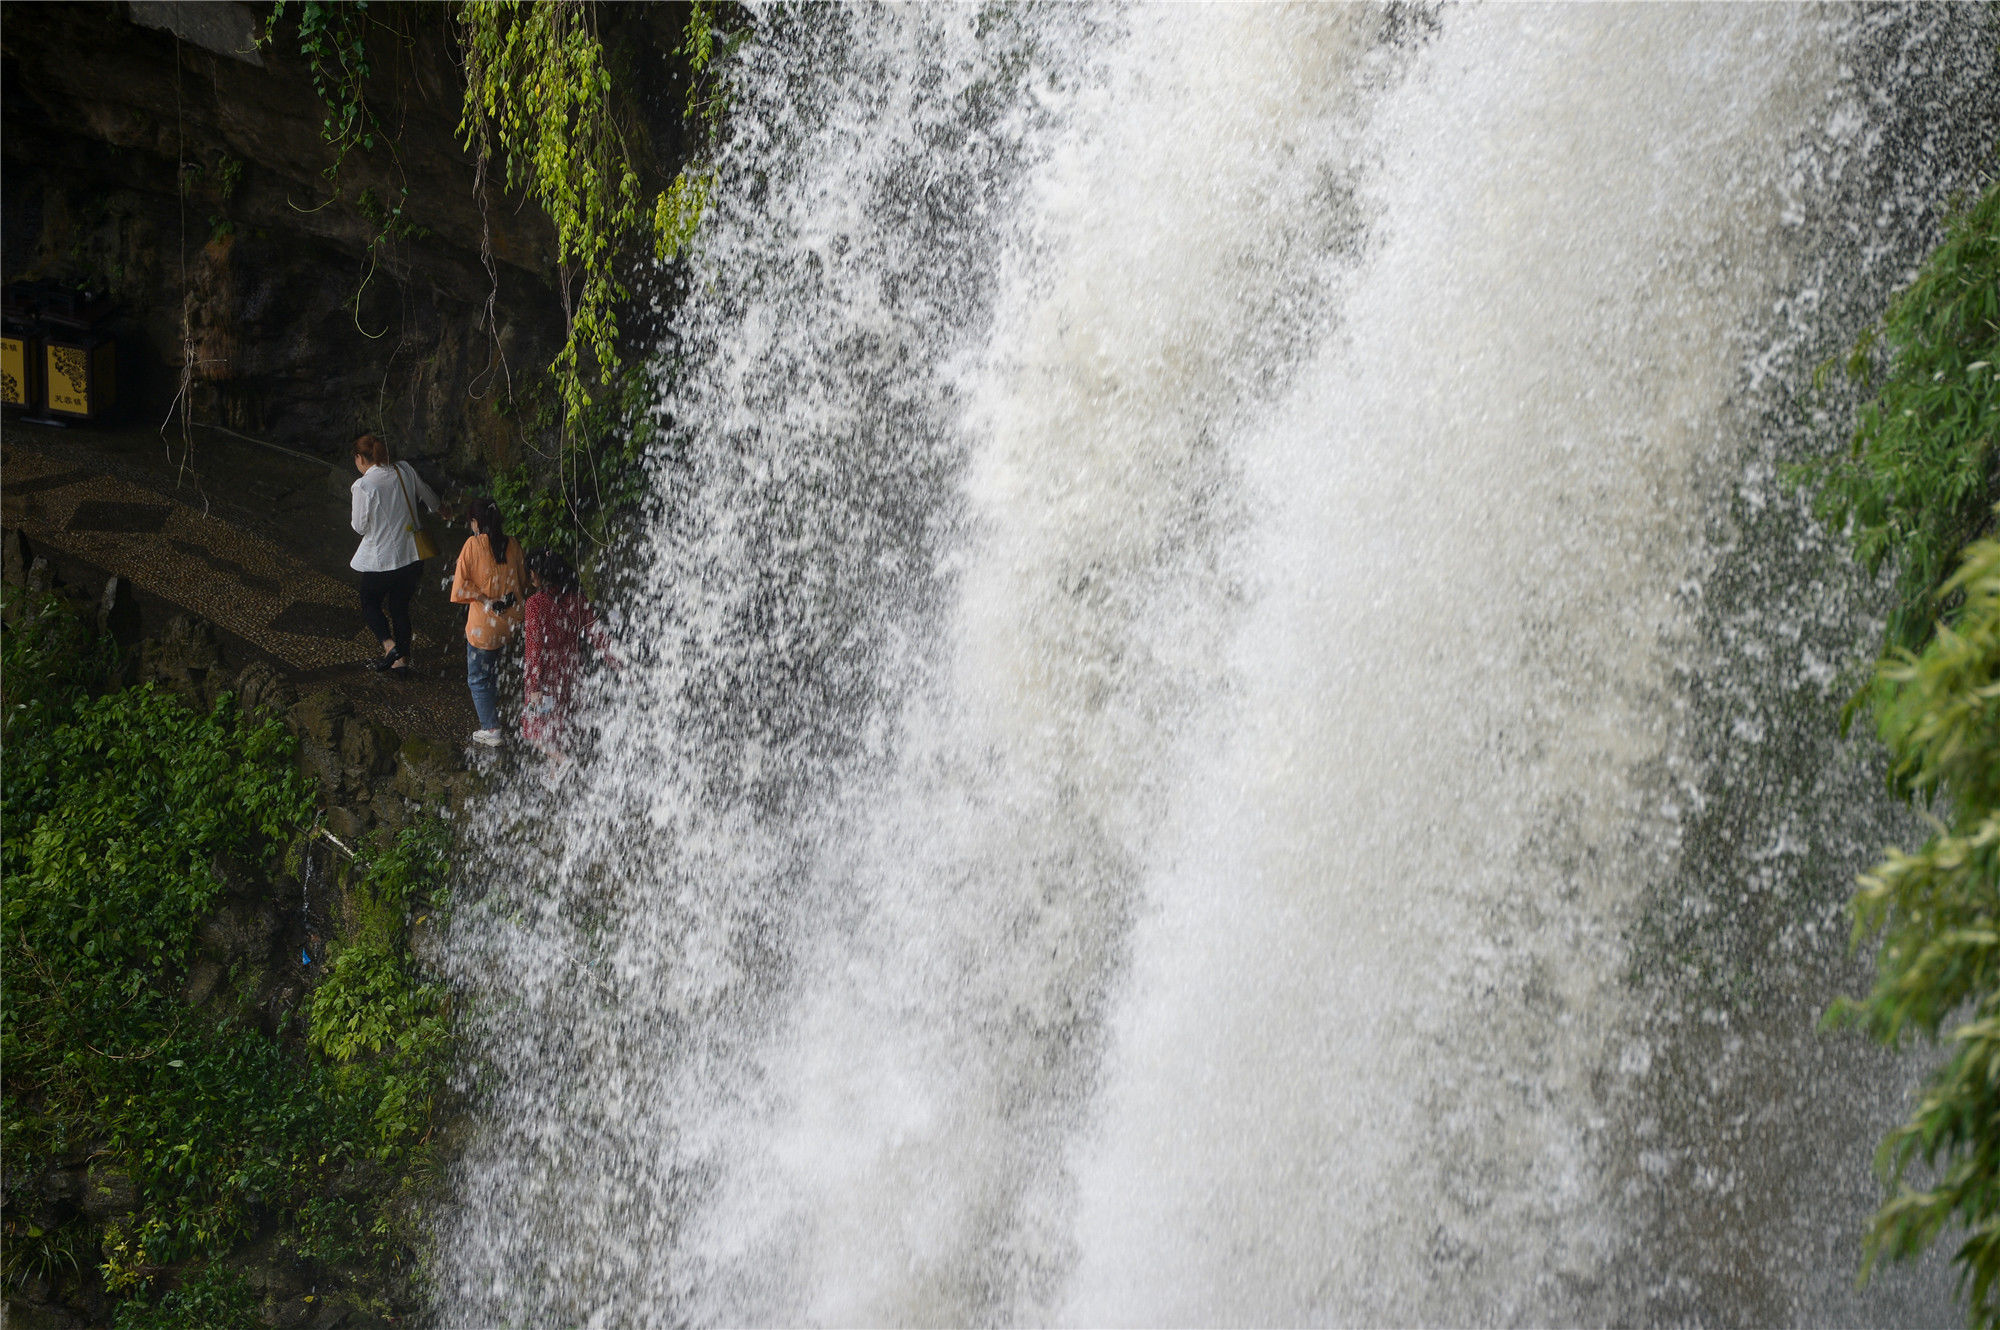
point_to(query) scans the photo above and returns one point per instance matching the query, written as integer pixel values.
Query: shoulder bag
(427, 546)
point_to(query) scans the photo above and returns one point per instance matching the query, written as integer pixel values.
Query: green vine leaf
(538, 99)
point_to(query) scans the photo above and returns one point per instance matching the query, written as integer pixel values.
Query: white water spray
(1163, 712)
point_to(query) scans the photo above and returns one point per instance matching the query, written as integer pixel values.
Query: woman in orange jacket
(491, 582)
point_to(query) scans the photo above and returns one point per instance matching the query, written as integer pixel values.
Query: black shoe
(381, 663)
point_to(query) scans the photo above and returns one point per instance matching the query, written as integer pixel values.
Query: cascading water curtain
(1226, 717)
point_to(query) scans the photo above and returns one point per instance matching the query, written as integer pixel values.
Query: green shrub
(211, 1299)
(115, 816)
(1938, 915)
(386, 1032)
(117, 811)
(414, 866)
(600, 472)
(1916, 489)
(119, 817)
(48, 657)
(1918, 481)
(36, 1254)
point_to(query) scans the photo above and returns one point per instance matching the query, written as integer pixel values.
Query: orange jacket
(478, 579)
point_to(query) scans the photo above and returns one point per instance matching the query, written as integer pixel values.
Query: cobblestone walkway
(247, 584)
(233, 579)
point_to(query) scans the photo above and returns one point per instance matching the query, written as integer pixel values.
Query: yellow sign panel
(69, 380)
(81, 379)
(13, 371)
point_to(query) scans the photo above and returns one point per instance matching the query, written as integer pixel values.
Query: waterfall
(1226, 717)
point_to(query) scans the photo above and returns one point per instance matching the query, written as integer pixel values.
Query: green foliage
(385, 1030)
(212, 1298)
(538, 98)
(679, 211)
(389, 222)
(49, 658)
(1917, 488)
(704, 44)
(117, 810)
(1938, 915)
(388, 1031)
(228, 175)
(211, 1119)
(599, 476)
(413, 868)
(332, 37)
(540, 102)
(114, 816)
(390, 225)
(34, 1254)
(1941, 715)
(121, 815)
(331, 40)
(368, 1003)
(221, 178)
(1919, 479)
(538, 516)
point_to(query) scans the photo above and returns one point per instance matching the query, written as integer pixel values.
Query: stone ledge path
(96, 508)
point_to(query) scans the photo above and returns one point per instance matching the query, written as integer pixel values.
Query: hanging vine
(332, 42)
(679, 209)
(542, 118)
(538, 101)
(332, 38)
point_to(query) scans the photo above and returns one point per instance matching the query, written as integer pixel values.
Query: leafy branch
(1917, 488)
(1919, 479)
(330, 38)
(538, 99)
(1938, 914)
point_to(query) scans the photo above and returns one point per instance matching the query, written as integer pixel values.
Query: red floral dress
(556, 628)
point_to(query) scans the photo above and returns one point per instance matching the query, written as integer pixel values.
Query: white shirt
(384, 519)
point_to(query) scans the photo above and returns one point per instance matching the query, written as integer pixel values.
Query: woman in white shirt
(385, 515)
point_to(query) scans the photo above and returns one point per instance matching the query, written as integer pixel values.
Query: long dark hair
(491, 524)
(553, 570)
(372, 448)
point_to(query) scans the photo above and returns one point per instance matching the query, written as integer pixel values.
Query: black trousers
(390, 591)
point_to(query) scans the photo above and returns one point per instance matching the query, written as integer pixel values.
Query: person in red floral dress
(558, 622)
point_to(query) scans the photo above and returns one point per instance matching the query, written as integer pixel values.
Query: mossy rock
(109, 1191)
(261, 690)
(204, 977)
(270, 1270)
(185, 660)
(239, 933)
(318, 717)
(363, 918)
(369, 747)
(426, 771)
(349, 824)
(29, 1316)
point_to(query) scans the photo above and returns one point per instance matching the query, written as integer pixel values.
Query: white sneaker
(491, 738)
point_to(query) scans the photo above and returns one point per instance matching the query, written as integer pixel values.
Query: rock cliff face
(160, 154)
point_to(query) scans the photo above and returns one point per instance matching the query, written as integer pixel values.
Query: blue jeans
(482, 676)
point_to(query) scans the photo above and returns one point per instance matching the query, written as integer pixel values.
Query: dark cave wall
(188, 168)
